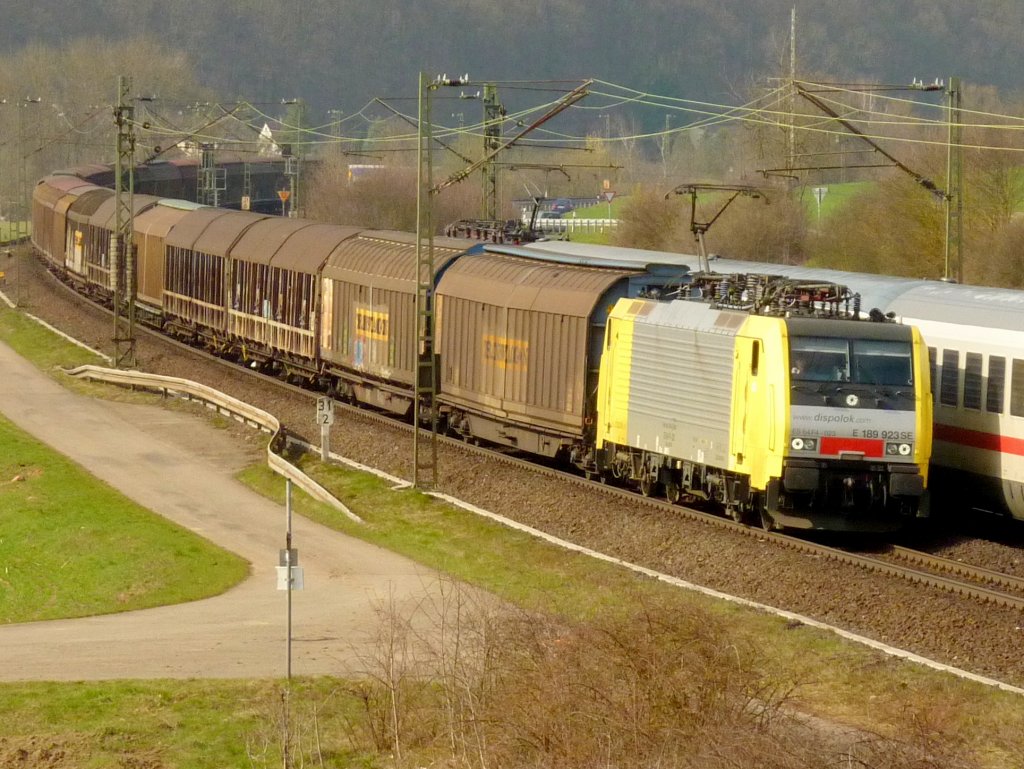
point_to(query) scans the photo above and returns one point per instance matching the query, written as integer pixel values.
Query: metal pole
(288, 563)
(286, 742)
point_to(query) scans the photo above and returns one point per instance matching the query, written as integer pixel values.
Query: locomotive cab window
(882, 362)
(862, 361)
(819, 359)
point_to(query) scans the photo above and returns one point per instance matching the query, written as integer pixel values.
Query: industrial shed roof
(527, 284)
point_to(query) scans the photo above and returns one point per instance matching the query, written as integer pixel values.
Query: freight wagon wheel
(648, 486)
(673, 493)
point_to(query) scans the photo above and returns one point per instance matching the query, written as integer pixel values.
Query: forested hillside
(338, 53)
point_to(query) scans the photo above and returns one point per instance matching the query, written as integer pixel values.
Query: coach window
(1017, 389)
(950, 377)
(996, 384)
(972, 381)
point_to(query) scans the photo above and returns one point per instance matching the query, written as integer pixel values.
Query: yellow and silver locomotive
(768, 396)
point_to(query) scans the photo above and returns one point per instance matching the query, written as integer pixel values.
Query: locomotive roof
(909, 298)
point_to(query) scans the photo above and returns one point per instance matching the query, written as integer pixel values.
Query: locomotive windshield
(862, 361)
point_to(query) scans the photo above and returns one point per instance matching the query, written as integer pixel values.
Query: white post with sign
(609, 196)
(819, 195)
(325, 418)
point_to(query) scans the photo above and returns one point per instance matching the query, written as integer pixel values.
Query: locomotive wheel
(648, 486)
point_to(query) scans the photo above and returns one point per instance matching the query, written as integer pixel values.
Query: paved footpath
(181, 467)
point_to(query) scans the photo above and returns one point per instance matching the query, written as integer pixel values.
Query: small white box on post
(325, 418)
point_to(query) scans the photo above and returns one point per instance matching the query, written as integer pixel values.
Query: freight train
(764, 396)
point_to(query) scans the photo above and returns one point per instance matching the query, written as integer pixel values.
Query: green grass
(836, 197)
(187, 724)
(71, 546)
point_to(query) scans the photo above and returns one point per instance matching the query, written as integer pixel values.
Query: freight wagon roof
(87, 203)
(386, 258)
(308, 248)
(528, 284)
(660, 264)
(292, 244)
(51, 189)
(187, 232)
(910, 298)
(158, 220)
(105, 214)
(89, 172)
(259, 242)
(183, 205)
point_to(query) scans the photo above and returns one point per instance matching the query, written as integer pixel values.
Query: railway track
(915, 567)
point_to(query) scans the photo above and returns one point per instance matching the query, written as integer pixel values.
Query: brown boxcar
(48, 216)
(80, 240)
(151, 228)
(519, 342)
(98, 233)
(369, 332)
(197, 247)
(278, 260)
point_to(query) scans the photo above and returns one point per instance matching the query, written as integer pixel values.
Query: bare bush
(384, 199)
(650, 221)
(492, 686)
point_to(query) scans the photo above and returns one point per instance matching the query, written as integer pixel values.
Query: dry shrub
(651, 222)
(384, 199)
(481, 685)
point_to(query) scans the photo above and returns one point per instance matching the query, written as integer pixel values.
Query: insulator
(856, 305)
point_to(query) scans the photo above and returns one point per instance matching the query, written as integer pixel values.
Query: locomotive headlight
(898, 449)
(810, 444)
(803, 444)
(797, 444)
